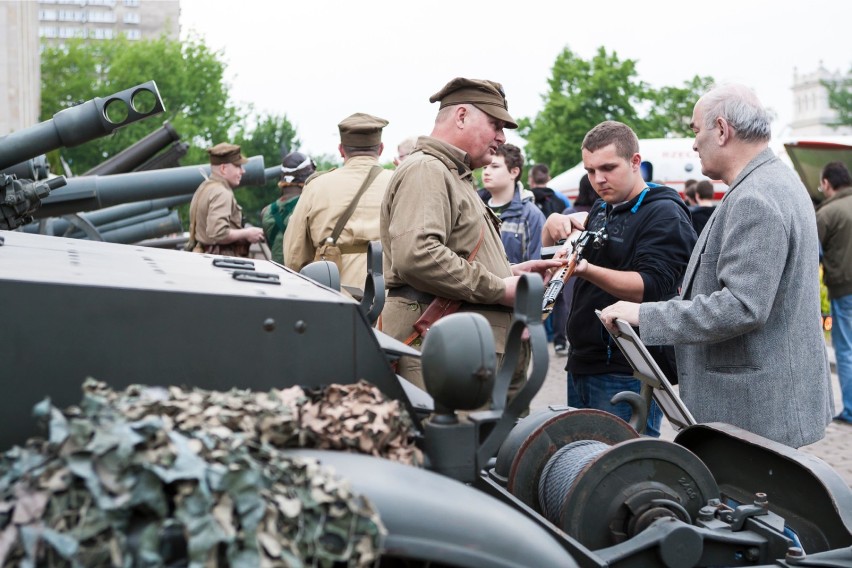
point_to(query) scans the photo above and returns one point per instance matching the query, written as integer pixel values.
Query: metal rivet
(269, 324)
(300, 326)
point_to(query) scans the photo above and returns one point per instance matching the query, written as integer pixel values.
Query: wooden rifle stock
(554, 287)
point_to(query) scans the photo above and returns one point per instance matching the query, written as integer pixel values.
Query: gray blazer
(746, 327)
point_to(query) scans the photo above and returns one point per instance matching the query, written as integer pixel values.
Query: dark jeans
(595, 391)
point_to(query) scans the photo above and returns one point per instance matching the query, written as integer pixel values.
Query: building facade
(24, 23)
(20, 76)
(812, 115)
(108, 19)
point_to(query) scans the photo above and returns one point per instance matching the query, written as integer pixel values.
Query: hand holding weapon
(578, 245)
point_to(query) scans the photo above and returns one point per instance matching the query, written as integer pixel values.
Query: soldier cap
(361, 130)
(225, 153)
(487, 96)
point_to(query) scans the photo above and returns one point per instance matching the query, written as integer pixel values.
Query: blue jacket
(522, 222)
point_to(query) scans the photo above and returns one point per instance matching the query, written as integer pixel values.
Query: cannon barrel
(96, 192)
(273, 173)
(138, 153)
(107, 215)
(35, 169)
(148, 226)
(82, 123)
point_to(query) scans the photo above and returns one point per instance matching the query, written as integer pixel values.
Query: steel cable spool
(561, 472)
(534, 440)
(604, 494)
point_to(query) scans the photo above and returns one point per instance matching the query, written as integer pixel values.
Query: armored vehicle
(560, 487)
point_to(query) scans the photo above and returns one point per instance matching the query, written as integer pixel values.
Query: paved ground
(835, 449)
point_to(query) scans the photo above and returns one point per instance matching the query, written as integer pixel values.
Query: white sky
(318, 61)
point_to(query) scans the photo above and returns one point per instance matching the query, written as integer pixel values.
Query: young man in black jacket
(649, 238)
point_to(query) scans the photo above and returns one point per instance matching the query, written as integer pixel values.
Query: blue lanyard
(635, 208)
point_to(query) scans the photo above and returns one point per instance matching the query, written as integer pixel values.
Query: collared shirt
(215, 210)
(324, 199)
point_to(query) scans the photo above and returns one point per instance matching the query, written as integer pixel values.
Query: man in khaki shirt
(216, 220)
(432, 219)
(327, 195)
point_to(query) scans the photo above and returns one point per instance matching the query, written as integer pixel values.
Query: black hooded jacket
(651, 234)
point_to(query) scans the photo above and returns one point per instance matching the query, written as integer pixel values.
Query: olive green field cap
(225, 153)
(487, 96)
(361, 130)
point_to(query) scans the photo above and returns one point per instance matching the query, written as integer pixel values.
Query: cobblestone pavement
(835, 449)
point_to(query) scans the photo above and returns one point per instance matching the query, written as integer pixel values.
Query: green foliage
(272, 137)
(188, 74)
(840, 99)
(671, 109)
(584, 93)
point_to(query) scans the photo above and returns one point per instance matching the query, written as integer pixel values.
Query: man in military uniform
(327, 195)
(432, 220)
(216, 220)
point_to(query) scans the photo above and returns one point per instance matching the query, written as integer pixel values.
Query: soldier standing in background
(215, 218)
(327, 195)
(296, 168)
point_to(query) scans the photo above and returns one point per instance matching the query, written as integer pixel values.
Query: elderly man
(438, 236)
(746, 327)
(216, 220)
(327, 197)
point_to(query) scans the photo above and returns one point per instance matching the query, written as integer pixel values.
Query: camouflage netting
(162, 477)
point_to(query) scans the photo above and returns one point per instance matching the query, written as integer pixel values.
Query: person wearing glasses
(644, 239)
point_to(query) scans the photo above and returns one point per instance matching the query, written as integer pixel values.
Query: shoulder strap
(338, 228)
(478, 243)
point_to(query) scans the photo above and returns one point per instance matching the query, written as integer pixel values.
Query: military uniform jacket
(324, 199)
(834, 224)
(431, 220)
(215, 211)
(746, 329)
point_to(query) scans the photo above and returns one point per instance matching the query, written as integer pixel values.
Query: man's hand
(627, 311)
(545, 268)
(253, 234)
(558, 227)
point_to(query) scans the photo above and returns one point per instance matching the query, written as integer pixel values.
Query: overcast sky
(318, 61)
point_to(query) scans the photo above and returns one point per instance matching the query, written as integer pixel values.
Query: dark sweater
(651, 235)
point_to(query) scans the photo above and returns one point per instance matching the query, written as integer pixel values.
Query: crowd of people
(725, 295)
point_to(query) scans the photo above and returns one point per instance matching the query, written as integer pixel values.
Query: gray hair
(741, 108)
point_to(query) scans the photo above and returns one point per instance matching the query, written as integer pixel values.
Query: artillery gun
(20, 198)
(561, 487)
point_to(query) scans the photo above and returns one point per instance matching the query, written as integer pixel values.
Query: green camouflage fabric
(174, 477)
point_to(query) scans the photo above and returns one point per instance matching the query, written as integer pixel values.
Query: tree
(189, 77)
(671, 109)
(584, 93)
(272, 137)
(840, 98)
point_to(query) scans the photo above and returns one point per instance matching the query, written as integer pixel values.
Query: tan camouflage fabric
(169, 476)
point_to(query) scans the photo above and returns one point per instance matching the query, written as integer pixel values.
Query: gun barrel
(96, 192)
(152, 226)
(79, 124)
(138, 153)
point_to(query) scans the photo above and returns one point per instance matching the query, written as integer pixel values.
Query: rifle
(578, 245)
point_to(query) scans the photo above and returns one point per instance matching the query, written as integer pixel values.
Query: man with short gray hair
(746, 327)
(439, 238)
